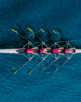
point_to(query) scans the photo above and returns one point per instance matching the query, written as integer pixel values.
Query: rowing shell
(43, 58)
(23, 51)
(12, 51)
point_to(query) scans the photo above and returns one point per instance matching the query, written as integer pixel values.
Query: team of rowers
(61, 50)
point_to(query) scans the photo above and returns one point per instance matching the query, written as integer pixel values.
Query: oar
(29, 72)
(61, 65)
(50, 64)
(23, 65)
(20, 67)
(15, 31)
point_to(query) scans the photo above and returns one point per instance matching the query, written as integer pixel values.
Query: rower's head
(73, 50)
(45, 50)
(62, 50)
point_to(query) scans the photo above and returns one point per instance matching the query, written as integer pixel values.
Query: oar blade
(15, 72)
(29, 72)
(14, 30)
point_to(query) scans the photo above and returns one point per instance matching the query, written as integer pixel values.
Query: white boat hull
(16, 51)
(78, 51)
(22, 50)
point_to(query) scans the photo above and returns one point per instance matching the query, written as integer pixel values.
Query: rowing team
(61, 50)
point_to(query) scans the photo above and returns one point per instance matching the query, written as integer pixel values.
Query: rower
(46, 50)
(60, 50)
(71, 50)
(64, 50)
(34, 50)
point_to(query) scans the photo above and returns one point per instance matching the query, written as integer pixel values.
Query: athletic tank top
(56, 50)
(67, 50)
(29, 50)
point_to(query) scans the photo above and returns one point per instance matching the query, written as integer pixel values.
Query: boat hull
(78, 50)
(23, 50)
(16, 51)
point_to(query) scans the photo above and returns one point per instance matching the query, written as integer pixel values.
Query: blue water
(62, 86)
